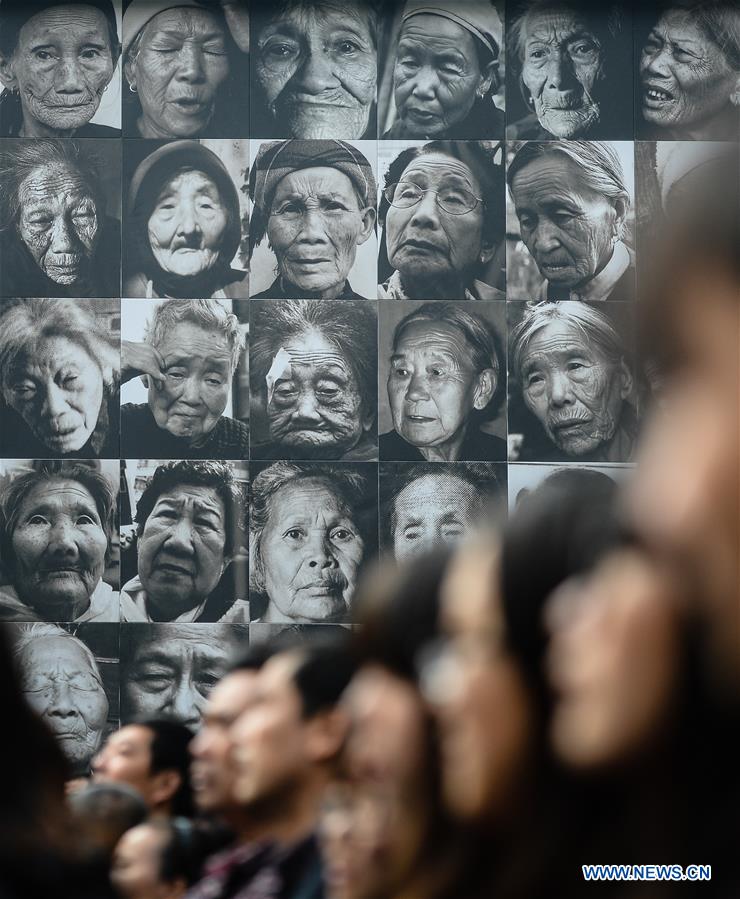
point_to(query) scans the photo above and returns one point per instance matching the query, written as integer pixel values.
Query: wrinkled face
(561, 68)
(432, 511)
(59, 546)
(314, 403)
(269, 738)
(182, 549)
(181, 63)
(173, 678)
(567, 227)
(436, 76)
(126, 757)
(63, 685)
(576, 393)
(58, 222)
(432, 385)
(212, 771)
(478, 692)
(187, 225)
(61, 65)
(311, 550)
(137, 863)
(315, 227)
(613, 659)
(686, 79)
(317, 70)
(58, 392)
(196, 384)
(424, 242)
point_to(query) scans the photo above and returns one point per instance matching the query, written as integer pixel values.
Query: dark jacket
(284, 290)
(365, 451)
(477, 447)
(142, 438)
(11, 120)
(485, 121)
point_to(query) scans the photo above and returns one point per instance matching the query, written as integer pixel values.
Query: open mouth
(657, 95)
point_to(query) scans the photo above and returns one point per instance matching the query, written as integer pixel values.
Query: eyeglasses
(452, 200)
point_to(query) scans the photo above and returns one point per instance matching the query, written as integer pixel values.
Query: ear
(485, 388)
(368, 224)
(325, 735)
(7, 74)
(128, 71)
(487, 251)
(735, 95)
(164, 786)
(489, 78)
(621, 208)
(626, 378)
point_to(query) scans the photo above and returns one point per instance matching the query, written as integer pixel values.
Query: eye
(86, 520)
(411, 534)
(562, 218)
(575, 365)
(280, 52)
(167, 514)
(334, 206)
(37, 519)
(176, 374)
(24, 391)
(343, 535)
(437, 371)
(451, 71)
(90, 53)
(538, 53)
(400, 371)
(293, 534)
(534, 380)
(583, 49)
(43, 55)
(205, 523)
(348, 47)
(214, 382)
(527, 222)
(69, 380)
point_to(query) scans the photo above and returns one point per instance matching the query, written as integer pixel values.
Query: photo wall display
(328, 288)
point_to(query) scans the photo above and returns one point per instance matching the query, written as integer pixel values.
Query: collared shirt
(599, 288)
(393, 289)
(134, 607)
(104, 606)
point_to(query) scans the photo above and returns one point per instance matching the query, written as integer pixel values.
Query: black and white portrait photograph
(60, 73)
(186, 219)
(314, 380)
(442, 374)
(185, 389)
(688, 70)
(59, 377)
(185, 68)
(442, 220)
(575, 393)
(59, 541)
(527, 478)
(314, 69)
(570, 221)
(314, 208)
(186, 558)
(426, 506)
(569, 70)
(60, 230)
(311, 528)
(69, 676)
(295, 634)
(168, 670)
(442, 70)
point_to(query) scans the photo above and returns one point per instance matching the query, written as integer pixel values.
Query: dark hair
(324, 670)
(197, 473)
(252, 658)
(169, 752)
(185, 849)
(15, 13)
(104, 812)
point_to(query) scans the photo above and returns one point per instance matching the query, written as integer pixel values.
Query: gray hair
(606, 25)
(28, 322)
(26, 634)
(211, 315)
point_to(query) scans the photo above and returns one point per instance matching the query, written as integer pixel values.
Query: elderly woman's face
(187, 225)
(562, 63)
(311, 550)
(432, 385)
(181, 63)
(58, 222)
(182, 549)
(567, 226)
(58, 392)
(573, 389)
(59, 547)
(63, 685)
(686, 79)
(315, 226)
(317, 69)
(436, 76)
(314, 405)
(61, 65)
(424, 242)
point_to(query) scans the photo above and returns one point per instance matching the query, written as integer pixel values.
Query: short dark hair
(252, 658)
(169, 752)
(324, 670)
(197, 473)
(15, 13)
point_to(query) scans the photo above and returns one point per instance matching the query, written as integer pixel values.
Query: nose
(426, 211)
(55, 402)
(62, 240)
(560, 391)
(559, 71)
(426, 83)
(187, 221)
(190, 63)
(545, 238)
(180, 536)
(190, 391)
(313, 228)
(657, 63)
(62, 539)
(320, 554)
(62, 705)
(317, 73)
(183, 704)
(69, 77)
(417, 389)
(307, 408)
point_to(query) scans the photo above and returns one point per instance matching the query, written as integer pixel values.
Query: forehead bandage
(280, 368)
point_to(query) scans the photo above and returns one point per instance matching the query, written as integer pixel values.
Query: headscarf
(140, 12)
(479, 17)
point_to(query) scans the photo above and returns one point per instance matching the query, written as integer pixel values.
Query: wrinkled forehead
(51, 352)
(427, 336)
(558, 25)
(557, 337)
(300, 18)
(54, 183)
(439, 168)
(678, 25)
(434, 492)
(196, 495)
(183, 22)
(305, 496)
(66, 651)
(313, 180)
(60, 493)
(189, 182)
(183, 644)
(50, 25)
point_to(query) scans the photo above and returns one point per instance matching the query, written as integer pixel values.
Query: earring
(132, 88)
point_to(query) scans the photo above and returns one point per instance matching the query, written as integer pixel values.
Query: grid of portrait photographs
(289, 286)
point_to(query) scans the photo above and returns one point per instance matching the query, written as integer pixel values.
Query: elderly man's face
(686, 80)
(63, 685)
(576, 393)
(196, 383)
(58, 392)
(311, 550)
(181, 64)
(432, 511)
(568, 228)
(432, 385)
(315, 226)
(172, 677)
(59, 546)
(61, 66)
(317, 69)
(58, 222)
(436, 76)
(314, 405)
(426, 243)
(187, 225)
(182, 549)
(562, 65)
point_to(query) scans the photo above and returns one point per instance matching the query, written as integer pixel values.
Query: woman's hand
(141, 359)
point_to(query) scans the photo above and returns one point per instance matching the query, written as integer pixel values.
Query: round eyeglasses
(452, 200)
